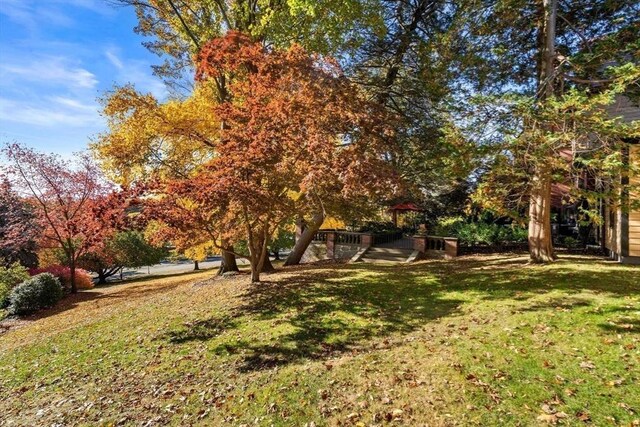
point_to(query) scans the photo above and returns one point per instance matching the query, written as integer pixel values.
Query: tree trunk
(72, 269)
(540, 241)
(228, 262)
(258, 254)
(540, 236)
(305, 239)
(256, 264)
(267, 267)
(547, 76)
(196, 266)
(276, 255)
(102, 277)
(255, 274)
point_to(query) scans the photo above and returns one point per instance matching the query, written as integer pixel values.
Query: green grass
(476, 341)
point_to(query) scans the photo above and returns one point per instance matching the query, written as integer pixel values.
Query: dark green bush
(9, 278)
(480, 233)
(572, 243)
(377, 227)
(41, 291)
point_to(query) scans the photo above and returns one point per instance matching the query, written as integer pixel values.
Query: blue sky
(56, 58)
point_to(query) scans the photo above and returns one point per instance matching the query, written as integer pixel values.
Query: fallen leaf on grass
(551, 418)
(556, 400)
(626, 407)
(616, 383)
(353, 416)
(583, 416)
(587, 365)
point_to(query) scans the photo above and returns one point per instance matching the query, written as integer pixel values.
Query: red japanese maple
(74, 207)
(18, 228)
(294, 128)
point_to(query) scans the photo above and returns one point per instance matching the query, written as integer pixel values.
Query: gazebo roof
(405, 207)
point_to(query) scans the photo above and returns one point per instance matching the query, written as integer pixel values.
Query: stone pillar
(420, 243)
(450, 247)
(331, 245)
(366, 240)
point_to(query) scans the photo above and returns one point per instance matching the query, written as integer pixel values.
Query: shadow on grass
(323, 312)
(565, 303)
(513, 278)
(137, 288)
(202, 330)
(622, 326)
(328, 310)
(146, 278)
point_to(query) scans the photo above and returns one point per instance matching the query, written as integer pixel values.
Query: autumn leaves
(279, 133)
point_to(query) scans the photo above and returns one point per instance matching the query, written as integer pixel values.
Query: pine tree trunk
(540, 236)
(305, 239)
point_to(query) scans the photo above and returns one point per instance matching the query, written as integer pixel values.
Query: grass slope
(476, 341)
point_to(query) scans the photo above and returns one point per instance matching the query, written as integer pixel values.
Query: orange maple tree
(294, 129)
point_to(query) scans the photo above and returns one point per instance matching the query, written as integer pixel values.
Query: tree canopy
(296, 131)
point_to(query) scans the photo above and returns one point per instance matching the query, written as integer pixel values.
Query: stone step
(381, 257)
(375, 260)
(395, 251)
(390, 255)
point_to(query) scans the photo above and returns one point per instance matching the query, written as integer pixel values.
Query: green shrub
(480, 233)
(572, 243)
(519, 234)
(377, 227)
(9, 278)
(41, 291)
(448, 226)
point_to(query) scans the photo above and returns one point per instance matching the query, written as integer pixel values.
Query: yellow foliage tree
(146, 137)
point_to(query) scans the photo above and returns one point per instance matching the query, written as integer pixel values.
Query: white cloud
(47, 70)
(54, 16)
(53, 112)
(74, 104)
(99, 6)
(136, 72)
(33, 13)
(112, 56)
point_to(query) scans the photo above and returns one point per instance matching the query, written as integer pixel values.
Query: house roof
(405, 207)
(624, 108)
(559, 195)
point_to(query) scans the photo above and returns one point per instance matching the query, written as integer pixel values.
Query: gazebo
(403, 208)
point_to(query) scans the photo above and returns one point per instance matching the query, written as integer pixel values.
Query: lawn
(476, 341)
